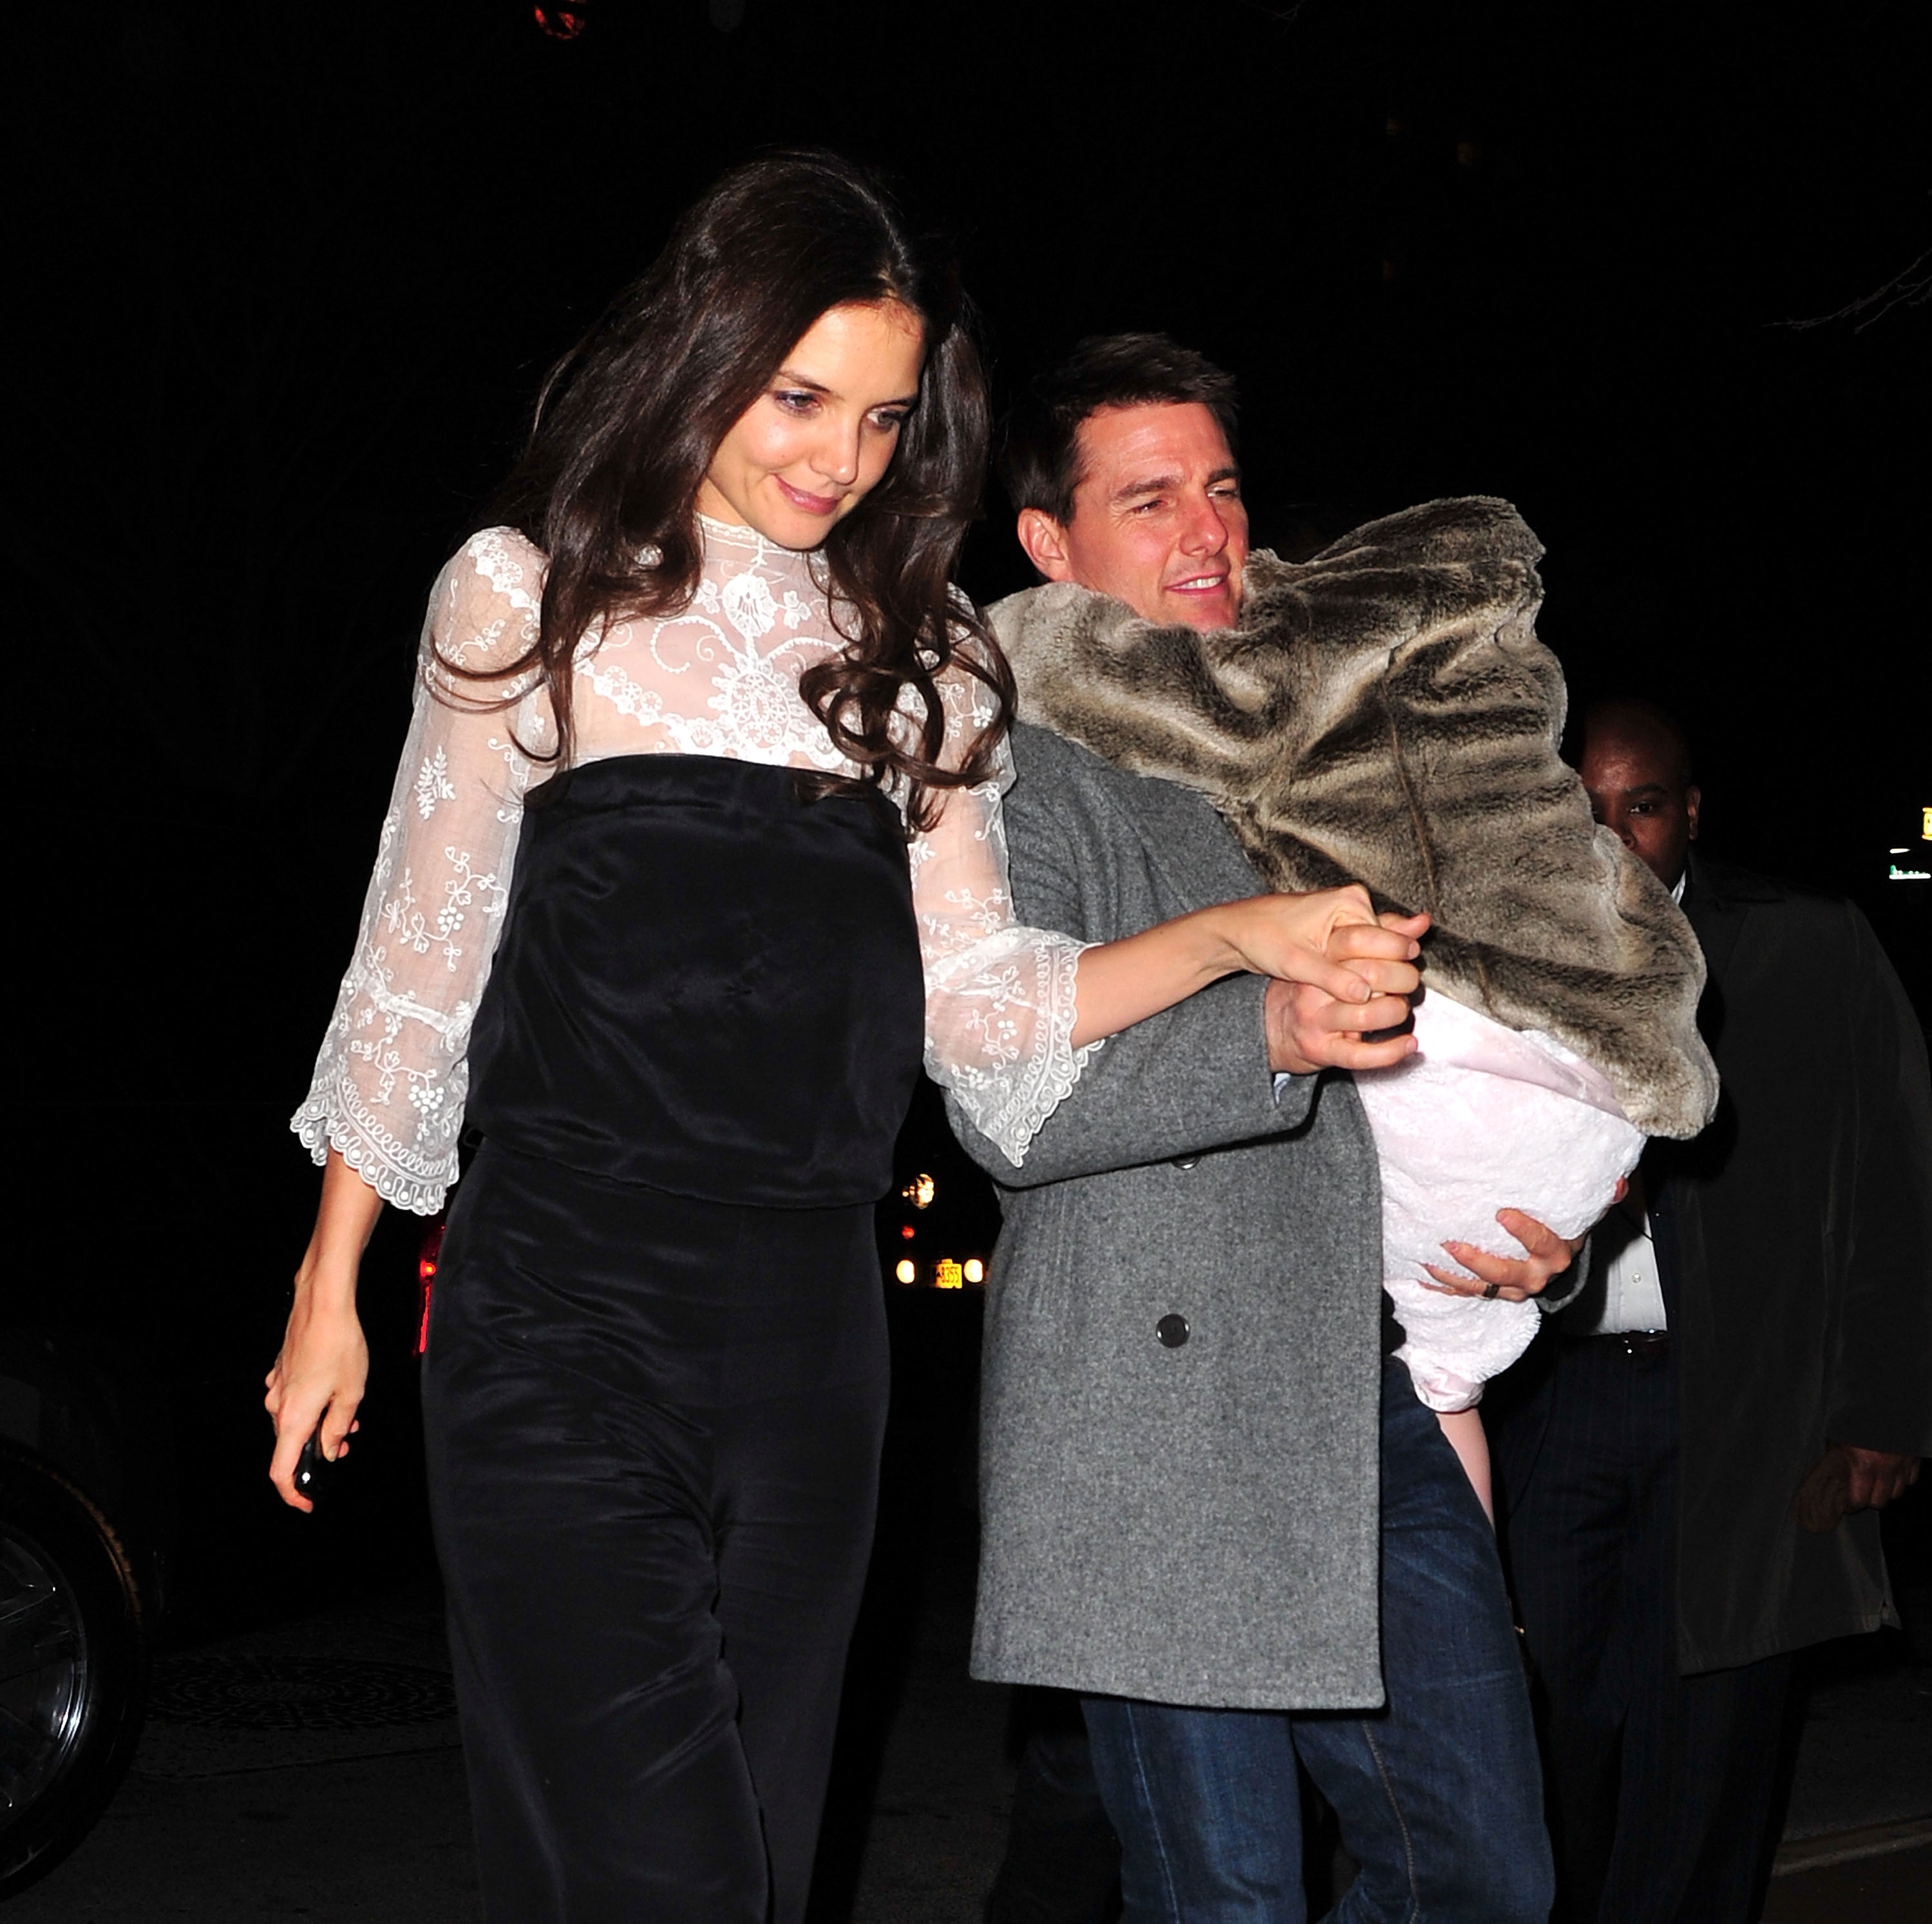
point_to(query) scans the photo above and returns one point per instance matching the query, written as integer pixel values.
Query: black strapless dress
(655, 1381)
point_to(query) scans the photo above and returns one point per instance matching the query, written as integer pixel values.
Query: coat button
(1172, 1330)
(1187, 1161)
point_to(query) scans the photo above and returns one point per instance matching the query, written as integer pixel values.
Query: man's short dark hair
(1635, 718)
(1041, 459)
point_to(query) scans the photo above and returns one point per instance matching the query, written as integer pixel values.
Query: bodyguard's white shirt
(1633, 1290)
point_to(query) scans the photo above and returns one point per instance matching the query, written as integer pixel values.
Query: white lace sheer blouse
(720, 679)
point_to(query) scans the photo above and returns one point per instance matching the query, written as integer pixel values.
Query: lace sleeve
(391, 1076)
(1000, 999)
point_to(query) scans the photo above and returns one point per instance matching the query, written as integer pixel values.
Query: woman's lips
(806, 504)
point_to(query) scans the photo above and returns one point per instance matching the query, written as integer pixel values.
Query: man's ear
(1694, 799)
(1045, 541)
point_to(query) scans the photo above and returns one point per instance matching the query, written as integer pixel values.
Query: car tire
(73, 1666)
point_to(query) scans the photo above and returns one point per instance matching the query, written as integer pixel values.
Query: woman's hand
(319, 1376)
(1331, 939)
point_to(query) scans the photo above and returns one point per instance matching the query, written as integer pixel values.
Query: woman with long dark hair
(695, 844)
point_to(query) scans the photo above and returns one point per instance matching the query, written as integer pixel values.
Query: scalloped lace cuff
(408, 1180)
(1009, 1102)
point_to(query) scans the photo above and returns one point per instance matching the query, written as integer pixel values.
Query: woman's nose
(837, 456)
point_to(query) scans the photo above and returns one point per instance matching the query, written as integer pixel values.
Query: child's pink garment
(1480, 1116)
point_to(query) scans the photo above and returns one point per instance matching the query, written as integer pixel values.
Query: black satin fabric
(653, 1427)
(704, 983)
(655, 1386)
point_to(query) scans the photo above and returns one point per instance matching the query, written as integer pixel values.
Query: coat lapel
(1716, 919)
(1186, 841)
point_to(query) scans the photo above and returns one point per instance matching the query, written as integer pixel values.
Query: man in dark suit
(1694, 1453)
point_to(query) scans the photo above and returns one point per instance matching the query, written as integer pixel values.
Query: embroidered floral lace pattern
(720, 678)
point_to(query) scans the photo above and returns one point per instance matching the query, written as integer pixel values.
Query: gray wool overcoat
(1194, 1522)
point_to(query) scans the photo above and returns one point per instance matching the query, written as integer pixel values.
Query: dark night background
(285, 279)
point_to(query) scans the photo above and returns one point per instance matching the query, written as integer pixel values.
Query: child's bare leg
(1464, 1429)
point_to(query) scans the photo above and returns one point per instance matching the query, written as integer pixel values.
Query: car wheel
(73, 1667)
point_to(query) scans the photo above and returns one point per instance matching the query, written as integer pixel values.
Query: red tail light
(426, 1263)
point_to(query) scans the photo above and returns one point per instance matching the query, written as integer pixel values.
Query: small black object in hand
(312, 1467)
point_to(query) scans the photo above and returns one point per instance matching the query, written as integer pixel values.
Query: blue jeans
(1439, 1794)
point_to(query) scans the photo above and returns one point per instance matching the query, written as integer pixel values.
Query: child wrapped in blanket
(1385, 714)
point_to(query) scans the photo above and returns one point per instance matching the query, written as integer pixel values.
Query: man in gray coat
(1203, 1486)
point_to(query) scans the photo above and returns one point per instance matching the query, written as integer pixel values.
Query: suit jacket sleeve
(1196, 1076)
(1880, 1395)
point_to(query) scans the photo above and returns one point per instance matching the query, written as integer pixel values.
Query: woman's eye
(889, 423)
(794, 402)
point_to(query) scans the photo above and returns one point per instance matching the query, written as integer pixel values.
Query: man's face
(1158, 521)
(1637, 787)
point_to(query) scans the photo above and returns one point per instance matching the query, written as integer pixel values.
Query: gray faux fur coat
(1385, 714)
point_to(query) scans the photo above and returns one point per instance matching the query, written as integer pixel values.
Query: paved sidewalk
(1889, 1881)
(1858, 1833)
(311, 1771)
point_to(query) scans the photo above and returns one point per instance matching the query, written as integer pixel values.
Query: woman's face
(814, 445)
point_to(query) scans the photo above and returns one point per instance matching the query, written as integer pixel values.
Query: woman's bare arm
(324, 1364)
(1330, 939)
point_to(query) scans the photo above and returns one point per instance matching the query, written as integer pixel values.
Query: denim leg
(1439, 1794)
(1208, 1804)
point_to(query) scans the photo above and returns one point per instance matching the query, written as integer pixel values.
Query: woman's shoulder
(968, 684)
(488, 598)
(503, 563)
(969, 658)
(970, 638)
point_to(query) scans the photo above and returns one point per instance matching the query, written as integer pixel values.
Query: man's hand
(1309, 1029)
(1846, 1477)
(1878, 1477)
(1511, 1278)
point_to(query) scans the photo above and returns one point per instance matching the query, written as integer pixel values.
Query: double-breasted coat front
(1183, 1330)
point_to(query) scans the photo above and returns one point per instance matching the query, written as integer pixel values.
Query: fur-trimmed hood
(1385, 714)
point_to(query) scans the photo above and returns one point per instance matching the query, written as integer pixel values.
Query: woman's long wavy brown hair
(629, 421)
